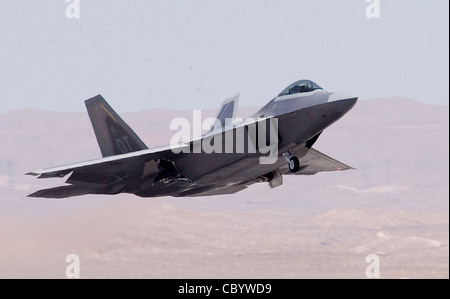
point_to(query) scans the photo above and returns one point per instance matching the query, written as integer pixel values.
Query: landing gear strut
(293, 163)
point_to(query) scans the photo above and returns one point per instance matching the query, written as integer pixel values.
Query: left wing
(126, 161)
(110, 175)
(107, 165)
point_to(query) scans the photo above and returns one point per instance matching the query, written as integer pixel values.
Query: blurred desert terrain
(395, 204)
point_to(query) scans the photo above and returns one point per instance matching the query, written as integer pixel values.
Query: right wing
(314, 162)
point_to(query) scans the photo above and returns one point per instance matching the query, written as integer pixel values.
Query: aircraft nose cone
(342, 102)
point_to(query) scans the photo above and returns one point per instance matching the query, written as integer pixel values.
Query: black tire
(294, 164)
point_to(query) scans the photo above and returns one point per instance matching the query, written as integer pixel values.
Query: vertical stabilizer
(227, 111)
(113, 135)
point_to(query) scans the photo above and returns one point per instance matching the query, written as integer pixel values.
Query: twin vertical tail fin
(113, 135)
(226, 111)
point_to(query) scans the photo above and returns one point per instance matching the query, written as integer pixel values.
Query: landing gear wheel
(294, 164)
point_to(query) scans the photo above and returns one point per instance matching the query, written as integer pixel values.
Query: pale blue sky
(187, 54)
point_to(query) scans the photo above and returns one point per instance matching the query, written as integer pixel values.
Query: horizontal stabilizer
(62, 192)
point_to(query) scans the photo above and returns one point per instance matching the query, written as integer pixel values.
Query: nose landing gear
(293, 162)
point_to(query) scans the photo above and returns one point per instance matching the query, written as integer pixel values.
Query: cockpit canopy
(300, 87)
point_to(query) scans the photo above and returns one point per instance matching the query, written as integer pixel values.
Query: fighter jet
(294, 120)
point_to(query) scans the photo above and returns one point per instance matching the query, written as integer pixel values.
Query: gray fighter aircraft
(303, 111)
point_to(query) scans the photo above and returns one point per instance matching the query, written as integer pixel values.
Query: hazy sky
(188, 54)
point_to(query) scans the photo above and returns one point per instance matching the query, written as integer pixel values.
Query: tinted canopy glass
(300, 87)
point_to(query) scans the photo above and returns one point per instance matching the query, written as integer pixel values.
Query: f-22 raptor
(302, 112)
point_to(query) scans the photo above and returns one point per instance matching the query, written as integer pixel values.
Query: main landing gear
(293, 162)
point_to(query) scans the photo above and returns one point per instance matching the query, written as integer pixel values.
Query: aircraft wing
(314, 162)
(106, 165)
(110, 175)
